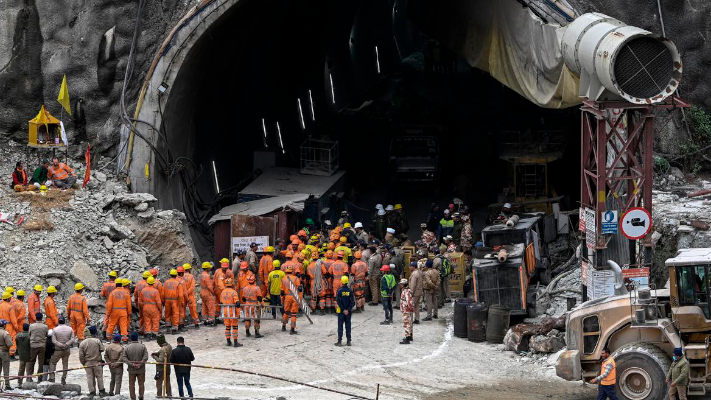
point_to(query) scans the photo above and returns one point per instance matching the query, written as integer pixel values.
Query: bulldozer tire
(641, 371)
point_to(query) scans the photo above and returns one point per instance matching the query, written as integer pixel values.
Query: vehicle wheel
(641, 371)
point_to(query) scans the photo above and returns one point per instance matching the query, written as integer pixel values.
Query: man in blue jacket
(345, 299)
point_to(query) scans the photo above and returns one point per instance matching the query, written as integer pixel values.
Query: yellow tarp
(43, 118)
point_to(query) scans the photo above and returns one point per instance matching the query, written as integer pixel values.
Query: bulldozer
(642, 328)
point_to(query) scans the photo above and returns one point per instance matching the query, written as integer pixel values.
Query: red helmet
(251, 279)
(153, 271)
(180, 270)
(341, 254)
(385, 268)
(243, 265)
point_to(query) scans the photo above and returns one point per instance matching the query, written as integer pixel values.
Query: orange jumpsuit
(337, 270)
(229, 297)
(359, 269)
(150, 304)
(107, 288)
(136, 292)
(173, 291)
(190, 293)
(316, 294)
(118, 309)
(7, 312)
(291, 306)
(265, 267)
(251, 299)
(33, 307)
(219, 282)
(183, 301)
(328, 282)
(207, 294)
(50, 310)
(78, 314)
(242, 283)
(20, 311)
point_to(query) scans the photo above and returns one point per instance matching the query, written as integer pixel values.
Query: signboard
(242, 243)
(640, 276)
(456, 278)
(584, 272)
(609, 222)
(636, 223)
(590, 228)
(600, 284)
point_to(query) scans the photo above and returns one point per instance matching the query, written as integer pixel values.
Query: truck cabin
(690, 284)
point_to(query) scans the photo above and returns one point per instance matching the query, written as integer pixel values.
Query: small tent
(45, 130)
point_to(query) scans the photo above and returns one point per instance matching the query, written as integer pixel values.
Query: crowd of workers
(327, 270)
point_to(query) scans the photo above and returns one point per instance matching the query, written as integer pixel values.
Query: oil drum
(476, 322)
(460, 317)
(497, 324)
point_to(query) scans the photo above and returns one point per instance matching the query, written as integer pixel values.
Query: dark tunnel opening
(258, 83)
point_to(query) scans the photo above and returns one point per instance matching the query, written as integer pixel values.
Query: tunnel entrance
(267, 75)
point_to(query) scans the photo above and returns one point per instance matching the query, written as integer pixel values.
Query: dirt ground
(437, 365)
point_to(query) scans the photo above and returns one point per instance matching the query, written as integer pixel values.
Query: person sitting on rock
(62, 176)
(19, 179)
(39, 177)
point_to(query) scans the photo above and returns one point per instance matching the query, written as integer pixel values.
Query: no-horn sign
(636, 223)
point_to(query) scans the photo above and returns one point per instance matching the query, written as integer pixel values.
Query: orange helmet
(229, 282)
(301, 233)
(180, 270)
(332, 246)
(296, 242)
(335, 236)
(243, 265)
(293, 237)
(329, 254)
(289, 268)
(314, 254)
(153, 271)
(251, 279)
(289, 254)
(358, 255)
(340, 254)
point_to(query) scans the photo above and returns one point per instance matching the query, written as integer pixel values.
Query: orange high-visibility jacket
(150, 296)
(173, 290)
(137, 290)
(20, 311)
(285, 284)
(107, 288)
(77, 304)
(7, 312)
(50, 310)
(206, 284)
(229, 296)
(189, 281)
(265, 267)
(33, 307)
(119, 300)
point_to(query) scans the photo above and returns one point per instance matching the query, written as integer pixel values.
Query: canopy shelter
(45, 131)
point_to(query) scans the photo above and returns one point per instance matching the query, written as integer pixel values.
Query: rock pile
(81, 235)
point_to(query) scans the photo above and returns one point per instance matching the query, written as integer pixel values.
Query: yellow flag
(63, 98)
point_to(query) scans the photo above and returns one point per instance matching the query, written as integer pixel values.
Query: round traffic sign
(636, 223)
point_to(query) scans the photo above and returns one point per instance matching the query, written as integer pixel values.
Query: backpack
(446, 267)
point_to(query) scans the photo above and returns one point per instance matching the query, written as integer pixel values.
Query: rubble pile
(543, 337)
(58, 390)
(87, 233)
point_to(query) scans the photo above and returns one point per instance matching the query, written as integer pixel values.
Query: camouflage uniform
(407, 307)
(428, 238)
(467, 236)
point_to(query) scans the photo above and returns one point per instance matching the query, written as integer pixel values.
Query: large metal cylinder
(616, 61)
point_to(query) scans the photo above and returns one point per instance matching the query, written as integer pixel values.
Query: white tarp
(255, 208)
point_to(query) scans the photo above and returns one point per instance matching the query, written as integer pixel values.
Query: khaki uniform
(374, 275)
(114, 357)
(163, 356)
(678, 374)
(415, 285)
(431, 285)
(136, 353)
(90, 357)
(5, 344)
(63, 339)
(38, 342)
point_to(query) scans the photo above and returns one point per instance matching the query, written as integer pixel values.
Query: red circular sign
(636, 223)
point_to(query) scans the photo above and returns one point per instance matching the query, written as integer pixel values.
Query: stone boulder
(118, 231)
(29, 385)
(545, 344)
(134, 199)
(55, 389)
(141, 207)
(82, 272)
(48, 273)
(165, 238)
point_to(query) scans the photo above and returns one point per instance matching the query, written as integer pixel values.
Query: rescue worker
(5, 344)
(374, 263)
(345, 301)
(229, 300)
(416, 290)
(118, 311)
(7, 312)
(291, 297)
(18, 304)
(431, 286)
(162, 377)
(359, 274)
(34, 304)
(338, 269)
(251, 301)
(407, 307)
(316, 271)
(50, 308)
(150, 304)
(242, 278)
(347, 253)
(136, 294)
(251, 258)
(158, 284)
(190, 292)
(207, 294)
(183, 300)
(387, 283)
(219, 280)
(265, 268)
(607, 377)
(113, 356)
(90, 351)
(328, 282)
(78, 311)
(274, 280)
(678, 375)
(172, 293)
(109, 286)
(135, 356)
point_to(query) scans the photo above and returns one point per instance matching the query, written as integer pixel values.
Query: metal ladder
(697, 385)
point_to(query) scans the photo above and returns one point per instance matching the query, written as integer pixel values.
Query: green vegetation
(700, 127)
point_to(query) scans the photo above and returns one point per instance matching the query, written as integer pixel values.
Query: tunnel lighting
(281, 143)
(301, 113)
(264, 129)
(333, 92)
(214, 171)
(163, 87)
(311, 102)
(377, 59)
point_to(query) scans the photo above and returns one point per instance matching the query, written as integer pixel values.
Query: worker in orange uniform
(150, 304)
(34, 304)
(190, 294)
(219, 280)
(230, 304)
(18, 304)
(265, 268)
(207, 294)
(291, 297)
(78, 311)
(243, 277)
(50, 308)
(118, 310)
(106, 290)
(173, 291)
(328, 281)
(157, 283)
(136, 293)
(7, 313)
(316, 271)
(251, 302)
(183, 299)
(337, 270)
(359, 274)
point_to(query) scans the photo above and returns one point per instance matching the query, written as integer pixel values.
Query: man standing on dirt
(607, 377)
(678, 376)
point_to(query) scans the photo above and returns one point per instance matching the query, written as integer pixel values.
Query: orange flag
(87, 175)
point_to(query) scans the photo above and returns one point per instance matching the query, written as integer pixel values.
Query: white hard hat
(446, 211)
(327, 222)
(378, 206)
(381, 212)
(391, 230)
(507, 205)
(392, 266)
(50, 333)
(389, 207)
(358, 225)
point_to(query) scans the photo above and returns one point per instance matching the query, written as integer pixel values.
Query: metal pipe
(502, 256)
(699, 193)
(511, 222)
(619, 280)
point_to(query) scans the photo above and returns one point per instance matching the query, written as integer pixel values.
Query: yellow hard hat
(126, 282)
(79, 286)
(343, 239)
(224, 260)
(206, 265)
(398, 206)
(151, 280)
(347, 225)
(113, 274)
(187, 266)
(20, 293)
(146, 274)
(173, 272)
(276, 264)
(270, 249)
(10, 289)
(51, 289)
(6, 295)
(38, 288)
(344, 280)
